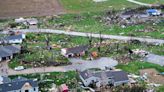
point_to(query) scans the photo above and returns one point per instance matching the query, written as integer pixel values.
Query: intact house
(19, 84)
(75, 51)
(112, 78)
(7, 52)
(14, 39)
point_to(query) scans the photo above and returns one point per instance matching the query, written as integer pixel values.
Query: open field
(152, 1)
(91, 6)
(19, 8)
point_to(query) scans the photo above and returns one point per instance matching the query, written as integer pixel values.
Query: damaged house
(113, 78)
(74, 52)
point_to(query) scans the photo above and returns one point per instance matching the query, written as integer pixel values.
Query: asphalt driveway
(156, 59)
(100, 63)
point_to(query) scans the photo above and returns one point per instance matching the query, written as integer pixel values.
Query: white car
(19, 68)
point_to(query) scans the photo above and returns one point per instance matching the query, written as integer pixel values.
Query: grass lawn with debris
(91, 22)
(134, 67)
(36, 46)
(65, 41)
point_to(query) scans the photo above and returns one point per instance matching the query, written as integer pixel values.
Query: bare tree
(90, 39)
(100, 41)
(48, 43)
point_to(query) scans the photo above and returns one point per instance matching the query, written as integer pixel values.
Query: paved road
(156, 59)
(124, 38)
(139, 3)
(77, 64)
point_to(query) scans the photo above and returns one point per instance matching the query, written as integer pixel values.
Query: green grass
(91, 6)
(160, 89)
(134, 67)
(152, 1)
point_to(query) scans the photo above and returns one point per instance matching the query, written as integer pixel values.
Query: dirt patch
(153, 76)
(19, 8)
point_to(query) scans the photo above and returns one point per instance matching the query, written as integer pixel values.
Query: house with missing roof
(74, 52)
(7, 52)
(113, 78)
(28, 21)
(64, 88)
(13, 39)
(19, 84)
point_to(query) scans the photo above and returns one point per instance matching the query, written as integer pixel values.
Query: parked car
(19, 68)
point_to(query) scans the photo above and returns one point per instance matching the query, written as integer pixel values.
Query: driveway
(156, 59)
(77, 64)
(98, 63)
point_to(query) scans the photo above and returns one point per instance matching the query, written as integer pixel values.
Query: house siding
(15, 41)
(120, 82)
(30, 90)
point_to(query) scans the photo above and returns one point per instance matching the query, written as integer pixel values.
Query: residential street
(79, 65)
(123, 38)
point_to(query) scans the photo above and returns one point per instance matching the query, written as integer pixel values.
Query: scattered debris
(151, 76)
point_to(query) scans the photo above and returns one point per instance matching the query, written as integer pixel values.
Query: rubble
(141, 53)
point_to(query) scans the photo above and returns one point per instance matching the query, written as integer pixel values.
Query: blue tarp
(151, 10)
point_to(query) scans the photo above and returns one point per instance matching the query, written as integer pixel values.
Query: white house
(14, 39)
(20, 84)
(114, 78)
